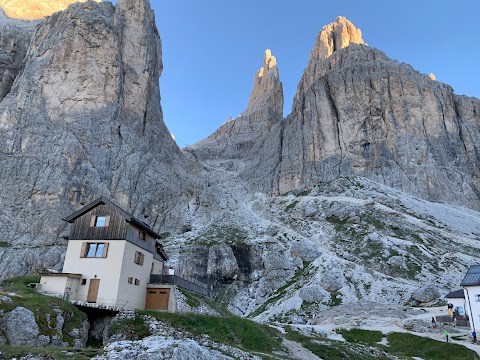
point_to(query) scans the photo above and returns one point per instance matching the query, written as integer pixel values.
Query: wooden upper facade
(103, 220)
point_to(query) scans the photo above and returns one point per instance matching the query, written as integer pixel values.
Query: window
(153, 267)
(142, 235)
(84, 281)
(130, 280)
(94, 250)
(100, 221)
(139, 258)
(137, 282)
(477, 297)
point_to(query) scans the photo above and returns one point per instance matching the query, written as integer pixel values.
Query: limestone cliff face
(235, 138)
(83, 119)
(14, 40)
(34, 9)
(357, 112)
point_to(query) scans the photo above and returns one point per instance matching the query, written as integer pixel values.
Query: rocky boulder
(426, 294)
(21, 329)
(312, 294)
(310, 209)
(222, 264)
(159, 348)
(397, 261)
(332, 281)
(305, 250)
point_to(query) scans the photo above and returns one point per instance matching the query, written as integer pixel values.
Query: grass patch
(359, 344)
(360, 336)
(292, 205)
(231, 330)
(190, 298)
(134, 329)
(224, 235)
(379, 225)
(195, 300)
(410, 345)
(51, 352)
(279, 293)
(335, 299)
(330, 349)
(42, 306)
(304, 193)
(164, 235)
(4, 244)
(338, 223)
(223, 298)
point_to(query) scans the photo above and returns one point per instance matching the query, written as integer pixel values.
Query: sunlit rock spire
(235, 138)
(336, 36)
(267, 89)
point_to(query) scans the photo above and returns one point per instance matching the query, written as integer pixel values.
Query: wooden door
(93, 290)
(157, 299)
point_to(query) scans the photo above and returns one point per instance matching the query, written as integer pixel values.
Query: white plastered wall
(53, 285)
(107, 270)
(158, 267)
(458, 303)
(472, 301)
(134, 295)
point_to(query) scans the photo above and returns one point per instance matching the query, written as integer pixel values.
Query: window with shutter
(94, 250)
(83, 253)
(139, 257)
(105, 250)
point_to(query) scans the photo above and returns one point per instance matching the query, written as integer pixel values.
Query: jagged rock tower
(83, 119)
(357, 112)
(235, 138)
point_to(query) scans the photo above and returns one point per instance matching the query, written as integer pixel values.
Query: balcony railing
(184, 282)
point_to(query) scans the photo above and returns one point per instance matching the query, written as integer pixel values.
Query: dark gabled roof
(473, 276)
(103, 201)
(458, 294)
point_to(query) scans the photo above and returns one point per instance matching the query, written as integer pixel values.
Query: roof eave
(85, 209)
(144, 227)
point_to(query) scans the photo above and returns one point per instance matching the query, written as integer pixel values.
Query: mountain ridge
(283, 217)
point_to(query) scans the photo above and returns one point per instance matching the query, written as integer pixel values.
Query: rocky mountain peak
(267, 89)
(339, 44)
(358, 112)
(236, 137)
(269, 62)
(335, 36)
(32, 9)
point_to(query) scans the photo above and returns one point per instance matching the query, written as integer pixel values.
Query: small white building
(471, 288)
(111, 257)
(457, 299)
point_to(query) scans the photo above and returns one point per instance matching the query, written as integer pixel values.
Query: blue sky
(212, 48)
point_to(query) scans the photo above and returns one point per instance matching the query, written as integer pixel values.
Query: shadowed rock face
(83, 119)
(235, 138)
(34, 9)
(357, 112)
(14, 40)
